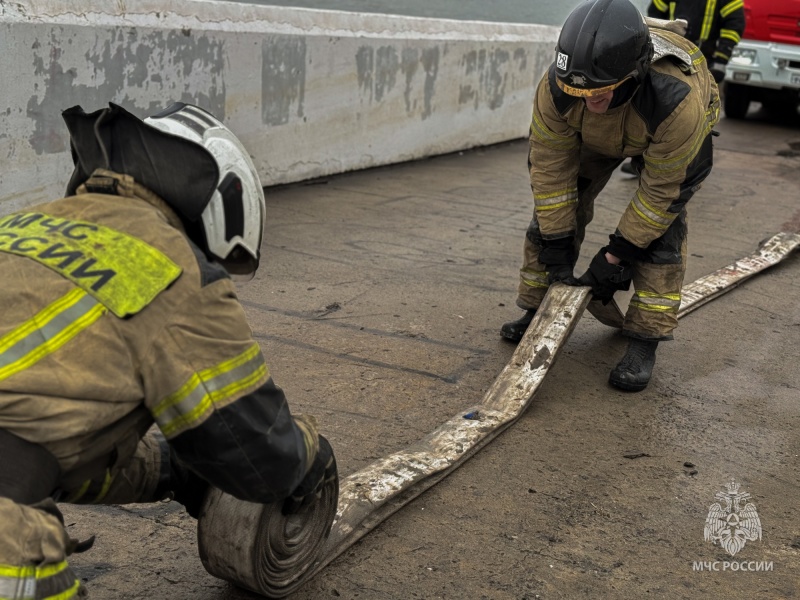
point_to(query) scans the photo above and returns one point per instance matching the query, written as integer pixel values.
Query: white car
(765, 65)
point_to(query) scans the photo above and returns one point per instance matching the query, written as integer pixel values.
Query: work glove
(717, 70)
(605, 278)
(187, 488)
(323, 471)
(559, 258)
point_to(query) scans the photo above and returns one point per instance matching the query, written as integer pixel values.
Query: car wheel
(782, 105)
(737, 101)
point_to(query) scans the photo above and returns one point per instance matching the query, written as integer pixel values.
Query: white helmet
(233, 220)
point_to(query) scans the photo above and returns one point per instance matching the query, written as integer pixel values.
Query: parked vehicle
(765, 66)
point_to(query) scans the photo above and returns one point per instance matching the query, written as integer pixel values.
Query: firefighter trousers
(34, 544)
(657, 279)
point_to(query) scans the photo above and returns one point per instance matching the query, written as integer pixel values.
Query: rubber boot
(634, 370)
(628, 168)
(514, 330)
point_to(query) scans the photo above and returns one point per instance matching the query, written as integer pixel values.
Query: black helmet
(602, 43)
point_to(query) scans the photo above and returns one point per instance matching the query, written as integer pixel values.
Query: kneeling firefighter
(119, 313)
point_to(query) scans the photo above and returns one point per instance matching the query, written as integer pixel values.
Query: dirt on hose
(593, 493)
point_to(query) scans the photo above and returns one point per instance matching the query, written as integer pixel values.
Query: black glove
(187, 488)
(559, 258)
(323, 470)
(717, 70)
(605, 278)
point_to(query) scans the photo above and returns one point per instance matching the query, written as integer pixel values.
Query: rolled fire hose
(256, 547)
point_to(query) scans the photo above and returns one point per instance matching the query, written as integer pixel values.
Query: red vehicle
(765, 66)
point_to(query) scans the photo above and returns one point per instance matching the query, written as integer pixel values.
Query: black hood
(181, 172)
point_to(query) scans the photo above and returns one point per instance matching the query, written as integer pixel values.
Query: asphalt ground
(378, 307)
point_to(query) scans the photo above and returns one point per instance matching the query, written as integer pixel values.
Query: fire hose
(256, 547)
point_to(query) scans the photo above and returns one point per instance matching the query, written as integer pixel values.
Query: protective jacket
(716, 27)
(666, 121)
(113, 320)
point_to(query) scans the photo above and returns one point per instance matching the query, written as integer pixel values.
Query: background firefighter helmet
(188, 158)
(602, 43)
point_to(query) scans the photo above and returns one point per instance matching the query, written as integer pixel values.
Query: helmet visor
(589, 92)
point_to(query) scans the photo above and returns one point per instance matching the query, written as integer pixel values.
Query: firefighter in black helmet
(618, 89)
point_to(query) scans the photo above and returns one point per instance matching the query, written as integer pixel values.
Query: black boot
(514, 330)
(627, 167)
(634, 370)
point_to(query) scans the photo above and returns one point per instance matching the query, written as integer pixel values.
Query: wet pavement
(378, 308)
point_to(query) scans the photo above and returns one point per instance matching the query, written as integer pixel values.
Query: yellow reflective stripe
(730, 7)
(660, 5)
(696, 56)
(123, 272)
(10, 571)
(27, 583)
(107, 481)
(66, 594)
(47, 331)
(656, 302)
(661, 165)
(655, 217)
(553, 200)
(186, 407)
(674, 297)
(534, 278)
(708, 20)
(550, 138)
(731, 35)
(78, 494)
(672, 11)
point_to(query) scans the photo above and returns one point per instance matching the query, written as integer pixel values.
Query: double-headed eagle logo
(733, 521)
(578, 80)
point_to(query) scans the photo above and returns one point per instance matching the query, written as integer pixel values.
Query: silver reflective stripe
(655, 217)
(188, 406)
(17, 588)
(551, 139)
(47, 331)
(534, 278)
(46, 582)
(556, 199)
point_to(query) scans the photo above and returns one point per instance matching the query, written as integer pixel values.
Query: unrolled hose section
(256, 547)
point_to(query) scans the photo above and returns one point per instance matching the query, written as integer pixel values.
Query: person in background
(715, 27)
(618, 88)
(119, 314)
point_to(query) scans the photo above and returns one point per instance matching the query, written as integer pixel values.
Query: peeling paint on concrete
(386, 66)
(410, 64)
(430, 61)
(487, 74)
(309, 93)
(365, 64)
(283, 74)
(119, 61)
(377, 72)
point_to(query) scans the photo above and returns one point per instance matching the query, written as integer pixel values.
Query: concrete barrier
(310, 92)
